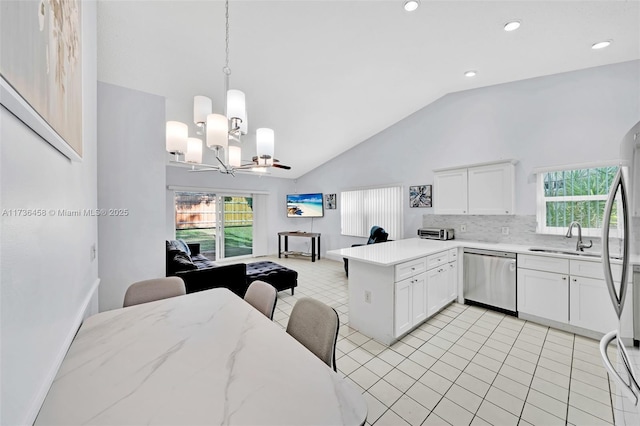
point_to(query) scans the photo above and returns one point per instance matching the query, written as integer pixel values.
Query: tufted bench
(277, 275)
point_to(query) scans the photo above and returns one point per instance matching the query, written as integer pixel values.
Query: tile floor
(463, 366)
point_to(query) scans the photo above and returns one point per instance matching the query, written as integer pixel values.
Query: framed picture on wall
(330, 201)
(44, 87)
(420, 196)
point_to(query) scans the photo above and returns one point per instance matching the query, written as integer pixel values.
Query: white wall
(131, 176)
(560, 119)
(47, 276)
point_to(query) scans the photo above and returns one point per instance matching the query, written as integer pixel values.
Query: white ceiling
(327, 75)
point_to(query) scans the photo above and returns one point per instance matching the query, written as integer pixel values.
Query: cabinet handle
(506, 211)
(564, 278)
(575, 279)
(413, 268)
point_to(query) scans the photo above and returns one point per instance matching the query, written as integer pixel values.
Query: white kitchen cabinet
(450, 192)
(590, 305)
(487, 188)
(491, 189)
(403, 304)
(441, 280)
(410, 303)
(543, 294)
(436, 288)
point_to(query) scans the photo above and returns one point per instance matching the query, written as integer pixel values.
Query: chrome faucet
(580, 246)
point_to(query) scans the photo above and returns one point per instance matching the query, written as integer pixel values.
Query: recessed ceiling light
(512, 26)
(602, 44)
(470, 73)
(411, 5)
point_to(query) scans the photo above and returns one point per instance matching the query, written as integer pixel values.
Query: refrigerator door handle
(631, 389)
(617, 299)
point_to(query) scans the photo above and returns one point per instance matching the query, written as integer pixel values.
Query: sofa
(199, 273)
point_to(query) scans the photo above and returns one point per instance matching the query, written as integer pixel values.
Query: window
(222, 225)
(363, 208)
(578, 195)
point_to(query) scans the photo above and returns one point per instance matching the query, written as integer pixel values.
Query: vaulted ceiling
(327, 75)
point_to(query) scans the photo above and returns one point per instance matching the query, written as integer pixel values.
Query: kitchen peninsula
(395, 286)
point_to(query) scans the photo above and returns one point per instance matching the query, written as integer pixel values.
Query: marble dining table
(199, 359)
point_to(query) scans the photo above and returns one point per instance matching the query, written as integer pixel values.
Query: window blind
(364, 208)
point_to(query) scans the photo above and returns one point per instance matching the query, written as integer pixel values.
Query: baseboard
(32, 414)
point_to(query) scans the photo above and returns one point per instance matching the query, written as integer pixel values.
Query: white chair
(154, 289)
(263, 297)
(315, 325)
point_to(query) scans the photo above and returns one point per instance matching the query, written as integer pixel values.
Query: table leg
(286, 245)
(279, 249)
(318, 247)
(313, 249)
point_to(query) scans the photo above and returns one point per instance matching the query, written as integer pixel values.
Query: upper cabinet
(487, 188)
(450, 192)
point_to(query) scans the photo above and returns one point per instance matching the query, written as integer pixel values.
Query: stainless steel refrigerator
(621, 364)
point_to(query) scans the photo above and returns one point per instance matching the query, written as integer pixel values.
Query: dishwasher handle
(492, 253)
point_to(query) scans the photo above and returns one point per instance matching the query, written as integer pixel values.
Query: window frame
(541, 201)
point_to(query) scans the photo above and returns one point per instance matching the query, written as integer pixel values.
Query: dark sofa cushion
(181, 262)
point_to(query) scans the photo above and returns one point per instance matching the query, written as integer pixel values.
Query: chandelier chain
(226, 68)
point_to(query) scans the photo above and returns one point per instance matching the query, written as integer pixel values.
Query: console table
(314, 237)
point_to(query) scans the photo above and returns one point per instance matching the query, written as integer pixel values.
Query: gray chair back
(315, 325)
(263, 297)
(154, 289)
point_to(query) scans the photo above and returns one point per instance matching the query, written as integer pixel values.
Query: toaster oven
(436, 233)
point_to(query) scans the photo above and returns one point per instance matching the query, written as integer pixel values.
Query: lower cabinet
(424, 293)
(543, 294)
(571, 292)
(410, 303)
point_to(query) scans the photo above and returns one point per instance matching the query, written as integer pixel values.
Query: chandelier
(219, 130)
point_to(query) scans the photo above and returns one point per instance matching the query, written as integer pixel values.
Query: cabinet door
(452, 282)
(419, 298)
(450, 192)
(437, 287)
(543, 294)
(403, 305)
(590, 306)
(491, 189)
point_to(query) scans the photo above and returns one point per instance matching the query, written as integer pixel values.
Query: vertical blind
(364, 208)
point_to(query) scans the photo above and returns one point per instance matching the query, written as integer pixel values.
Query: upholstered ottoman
(277, 275)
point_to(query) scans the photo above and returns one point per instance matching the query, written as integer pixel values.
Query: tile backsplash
(522, 230)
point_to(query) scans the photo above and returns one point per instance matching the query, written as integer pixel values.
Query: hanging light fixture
(220, 129)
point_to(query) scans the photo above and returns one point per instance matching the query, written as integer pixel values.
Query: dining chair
(315, 325)
(154, 289)
(263, 297)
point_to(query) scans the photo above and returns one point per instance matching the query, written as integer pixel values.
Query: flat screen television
(305, 205)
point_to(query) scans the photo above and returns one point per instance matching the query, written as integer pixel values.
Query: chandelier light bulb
(236, 107)
(265, 141)
(176, 137)
(217, 131)
(202, 106)
(194, 151)
(411, 5)
(235, 156)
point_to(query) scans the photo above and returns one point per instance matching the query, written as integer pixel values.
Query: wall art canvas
(330, 201)
(41, 69)
(420, 196)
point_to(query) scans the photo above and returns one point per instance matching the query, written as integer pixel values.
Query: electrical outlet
(463, 228)
(367, 296)
(505, 230)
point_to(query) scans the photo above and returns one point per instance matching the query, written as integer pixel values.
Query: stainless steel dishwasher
(490, 279)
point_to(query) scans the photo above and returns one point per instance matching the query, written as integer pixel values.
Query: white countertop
(398, 251)
(204, 358)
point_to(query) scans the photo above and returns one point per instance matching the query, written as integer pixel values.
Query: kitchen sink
(569, 252)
